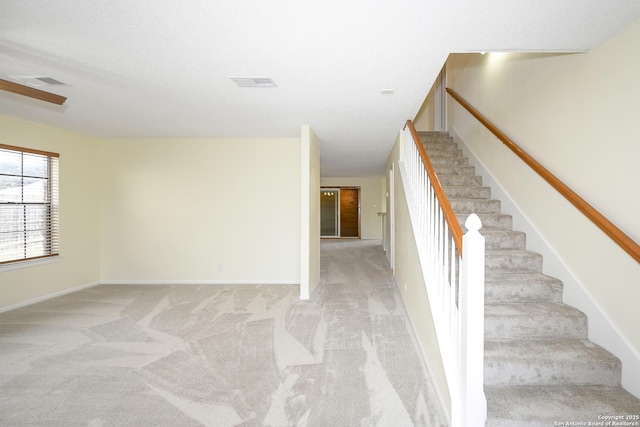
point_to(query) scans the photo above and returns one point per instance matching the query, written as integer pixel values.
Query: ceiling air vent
(253, 81)
(38, 81)
(49, 81)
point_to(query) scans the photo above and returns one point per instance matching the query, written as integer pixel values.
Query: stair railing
(453, 269)
(618, 236)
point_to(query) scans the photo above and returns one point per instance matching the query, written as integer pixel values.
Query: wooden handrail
(449, 215)
(618, 236)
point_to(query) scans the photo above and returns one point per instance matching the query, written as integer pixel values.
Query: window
(28, 204)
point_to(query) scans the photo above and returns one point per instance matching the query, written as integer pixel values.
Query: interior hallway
(221, 355)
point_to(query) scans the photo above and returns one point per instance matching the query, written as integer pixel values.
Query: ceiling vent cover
(254, 81)
(38, 81)
(50, 81)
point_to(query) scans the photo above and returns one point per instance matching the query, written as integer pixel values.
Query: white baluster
(455, 285)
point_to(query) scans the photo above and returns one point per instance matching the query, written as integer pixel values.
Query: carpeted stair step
(490, 221)
(449, 161)
(441, 145)
(541, 320)
(431, 133)
(521, 288)
(459, 179)
(542, 406)
(549, 362)
(512, 261)
(445, 151)
(499, 236)
(467, 192)
(454, 170)
(435, 137)
(503, 239)
(478, 206)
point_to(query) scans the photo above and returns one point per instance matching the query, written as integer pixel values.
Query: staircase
(540, 367)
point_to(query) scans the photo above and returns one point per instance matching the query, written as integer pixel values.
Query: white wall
(310, 212)
(425, 120)
(79, 213)
(200, 211)
(372, 201)
(577, 114)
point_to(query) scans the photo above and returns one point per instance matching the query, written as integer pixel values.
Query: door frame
(346, 187)
(337, 191)
(441, 100)
(392, 217)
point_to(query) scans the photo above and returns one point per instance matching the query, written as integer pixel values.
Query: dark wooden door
(349, 212)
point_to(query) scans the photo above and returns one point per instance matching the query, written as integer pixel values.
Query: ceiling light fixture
(387, 92)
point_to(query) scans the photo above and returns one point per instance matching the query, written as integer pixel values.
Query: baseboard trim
(601, 330)
(145, 282)
(199, 282)
(48, 296)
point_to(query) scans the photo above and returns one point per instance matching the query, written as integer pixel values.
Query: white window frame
(34, 251)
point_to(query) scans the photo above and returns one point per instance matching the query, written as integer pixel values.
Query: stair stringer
(601, 329)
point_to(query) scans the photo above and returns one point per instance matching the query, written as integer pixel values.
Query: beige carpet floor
(125, 355)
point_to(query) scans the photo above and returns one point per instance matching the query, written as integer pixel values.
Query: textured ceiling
(139, 68)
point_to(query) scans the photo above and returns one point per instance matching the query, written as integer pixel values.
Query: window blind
(28, 204)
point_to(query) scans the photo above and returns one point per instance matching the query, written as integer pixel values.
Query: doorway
(340, 212)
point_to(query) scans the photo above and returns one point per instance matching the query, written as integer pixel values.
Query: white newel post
(473, 403)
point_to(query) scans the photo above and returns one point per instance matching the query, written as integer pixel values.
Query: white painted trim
(601, 330)
(392, 217)
(29, 263)
(150, 283)
(48, 296)
(337, 212)
(200, 282)
(441, 100)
